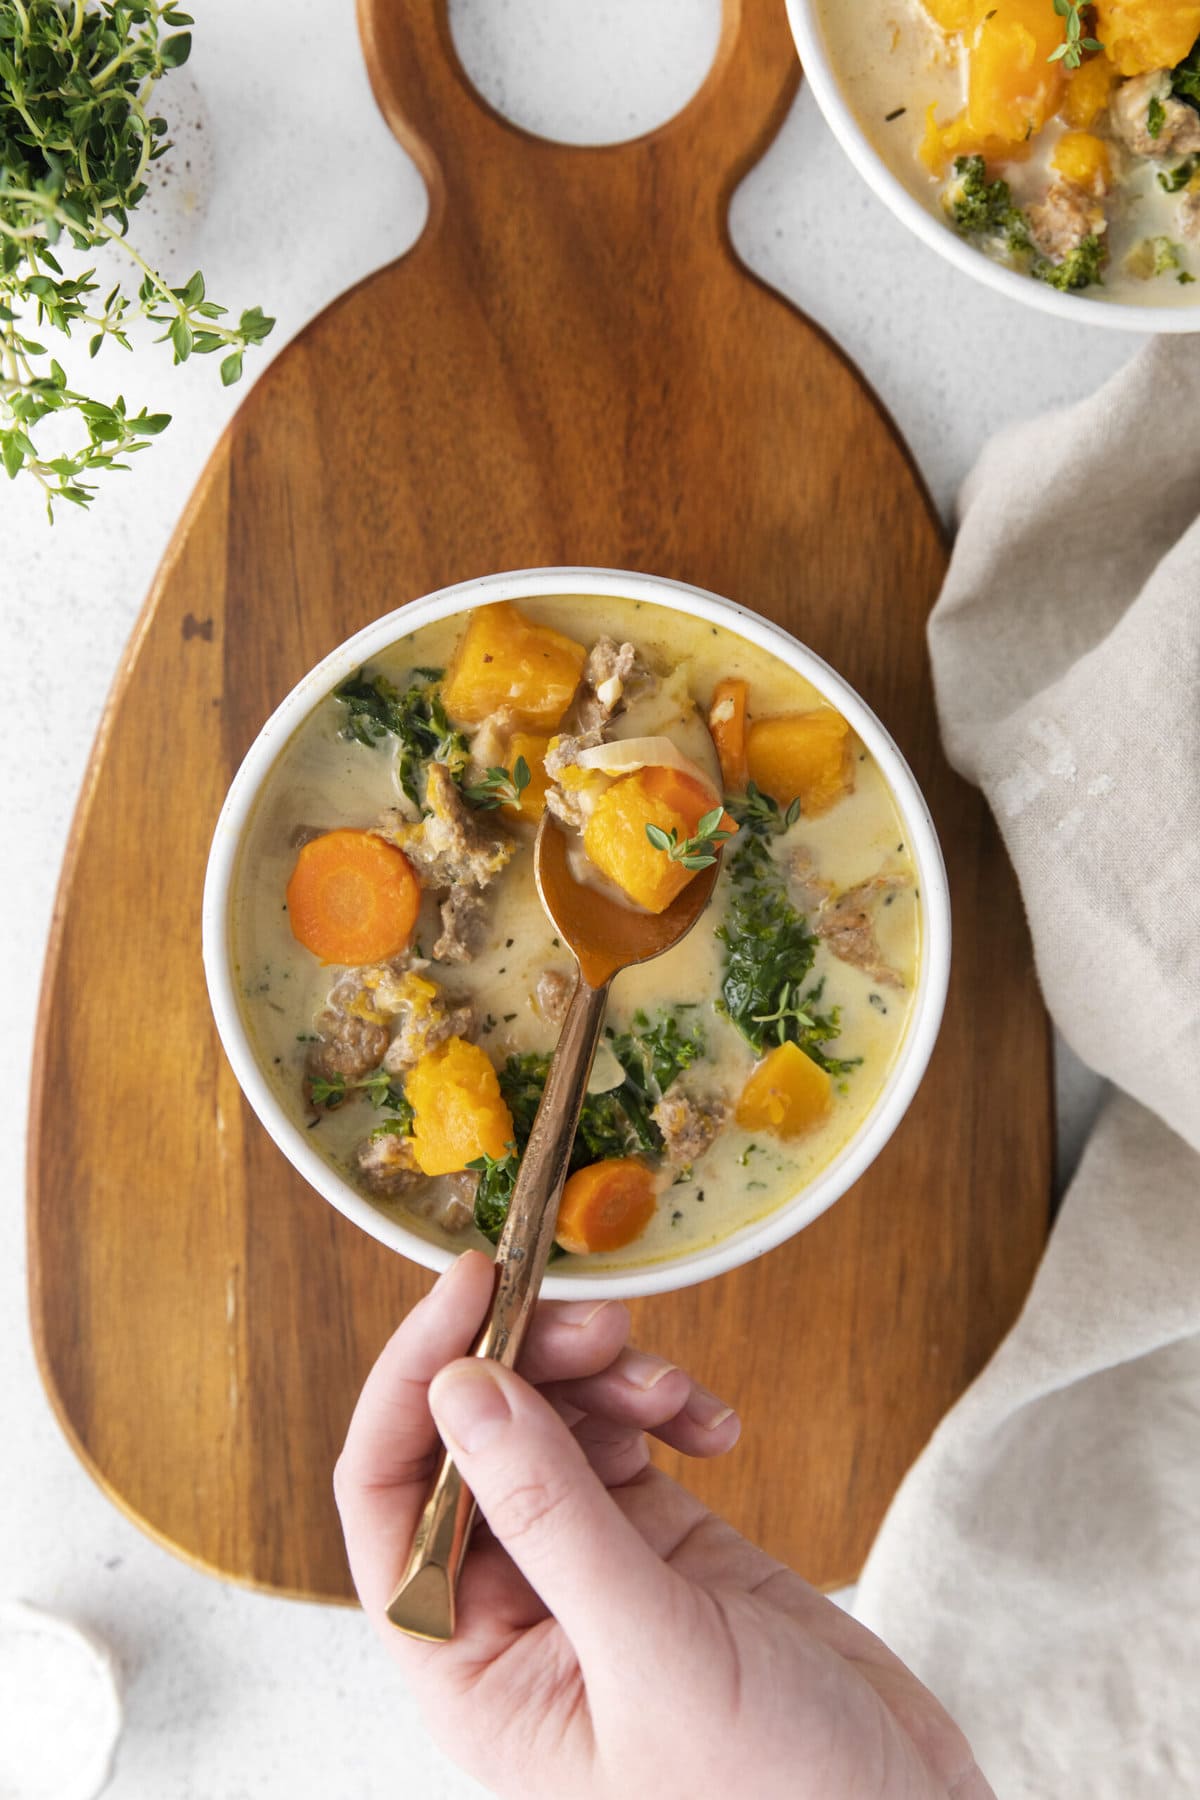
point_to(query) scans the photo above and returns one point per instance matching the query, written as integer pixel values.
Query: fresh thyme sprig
(1070, 51)
(77, 137)
(759, 812)
(699, 851)
(378, 1087)
(500, 788)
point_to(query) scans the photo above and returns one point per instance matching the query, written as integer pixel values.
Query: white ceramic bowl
(531, 584)
(1116, 315)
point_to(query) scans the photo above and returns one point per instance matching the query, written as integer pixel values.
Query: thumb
(551, 1512)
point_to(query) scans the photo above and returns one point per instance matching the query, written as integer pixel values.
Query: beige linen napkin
(1040, 1567)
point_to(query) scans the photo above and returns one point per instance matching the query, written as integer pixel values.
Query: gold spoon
(604, 937)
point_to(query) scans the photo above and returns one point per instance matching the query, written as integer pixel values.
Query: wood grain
(570, 367)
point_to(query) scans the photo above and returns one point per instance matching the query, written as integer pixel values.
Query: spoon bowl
(603, 935)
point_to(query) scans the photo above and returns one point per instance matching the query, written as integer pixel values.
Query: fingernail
(643, 1371)
(580, 1312)
(468, 1404)
(705, 1410)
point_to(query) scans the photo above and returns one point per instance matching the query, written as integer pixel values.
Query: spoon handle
(423, 1604)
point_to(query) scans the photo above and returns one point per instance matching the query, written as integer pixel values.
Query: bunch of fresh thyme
(77, 137)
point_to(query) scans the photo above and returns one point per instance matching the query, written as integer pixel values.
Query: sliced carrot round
(727, 723)
(606, 1206)
(353, 898)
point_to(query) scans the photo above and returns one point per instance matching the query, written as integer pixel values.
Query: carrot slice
(605, 1206)
(727, 723)
(352, 898)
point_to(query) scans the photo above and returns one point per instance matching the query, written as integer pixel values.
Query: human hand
(615, 1639)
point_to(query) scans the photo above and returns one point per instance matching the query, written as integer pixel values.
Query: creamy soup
(1085, 177)
(395, 831)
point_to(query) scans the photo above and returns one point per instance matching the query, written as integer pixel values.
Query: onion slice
(626, 755)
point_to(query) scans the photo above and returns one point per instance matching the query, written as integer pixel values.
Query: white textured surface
(295, 190)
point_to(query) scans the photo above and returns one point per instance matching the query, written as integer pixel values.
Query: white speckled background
(286, 188)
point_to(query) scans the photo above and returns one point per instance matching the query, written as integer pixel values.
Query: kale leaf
(654, 1054)
(416, 718)
(982, 208)
(1175, 180)
(493, 1196)
(522, 1080)
(618, 1123)
(1185, 77)
(769, 954)
(1080, 268)
(979, 208)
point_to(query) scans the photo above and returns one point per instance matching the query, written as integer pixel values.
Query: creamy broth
(323, 781)
(893, 63)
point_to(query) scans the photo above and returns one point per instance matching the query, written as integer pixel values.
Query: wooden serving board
(570, 367)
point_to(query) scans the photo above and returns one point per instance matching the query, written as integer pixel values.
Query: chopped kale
(1080, 268)
(416, 718)
(769, 953)
(617, 1123)
(1175, 180)
(654, 1054)
(1156, 117)
(768, 946)
(401, 1127)
(521, 1082)
(1185, 77)
(982, 208)
(493, 1196)
(1153, 257)
(979, 208)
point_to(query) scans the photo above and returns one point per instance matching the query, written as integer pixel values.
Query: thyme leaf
(379, 1089)
(500, 787)
(1070, 51)
(700, 851)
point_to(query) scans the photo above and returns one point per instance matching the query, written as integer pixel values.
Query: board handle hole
(586, 71)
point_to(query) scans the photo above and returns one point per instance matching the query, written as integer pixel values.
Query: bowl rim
(749, 1241)
(1110, 315)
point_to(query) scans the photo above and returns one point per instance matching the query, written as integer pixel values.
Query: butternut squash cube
(615, 835)
(1089, 90)
(504, 659)
(1140, 35)
(805, 756)
(1012, 86)
(953, 15)
(943, 143)
(1083, 159)
(787, 1094)
(459, 1112)
(533, 798)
